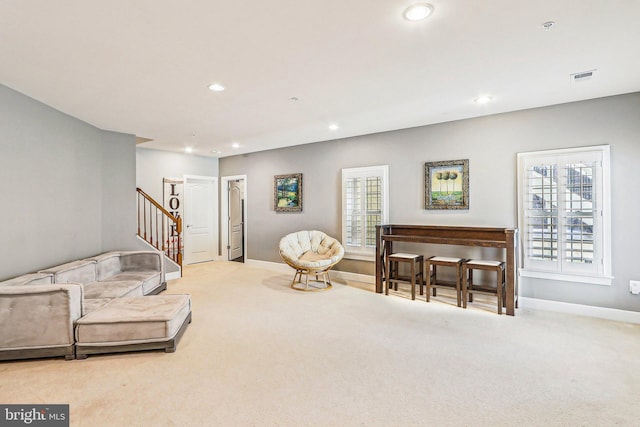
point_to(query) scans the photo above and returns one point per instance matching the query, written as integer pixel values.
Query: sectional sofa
(106, 303)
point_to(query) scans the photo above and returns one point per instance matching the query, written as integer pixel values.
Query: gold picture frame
(287, 193)
(446, 185)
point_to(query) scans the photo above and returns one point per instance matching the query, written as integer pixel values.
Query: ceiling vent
(582, 76)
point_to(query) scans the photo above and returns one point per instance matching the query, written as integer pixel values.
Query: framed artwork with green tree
(287, 193)
(446, 185)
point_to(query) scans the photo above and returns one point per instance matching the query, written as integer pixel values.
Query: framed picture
(287, 193)
(446, 185)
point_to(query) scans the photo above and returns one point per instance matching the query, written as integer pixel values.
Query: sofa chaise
(106, 303)
(37, 317)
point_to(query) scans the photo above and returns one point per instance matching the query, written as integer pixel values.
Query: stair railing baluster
(151, 232)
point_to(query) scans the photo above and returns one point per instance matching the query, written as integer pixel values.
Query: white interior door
(225, 208)
(236, 219)
(200, 218)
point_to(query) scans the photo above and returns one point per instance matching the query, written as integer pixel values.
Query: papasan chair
(311, 252)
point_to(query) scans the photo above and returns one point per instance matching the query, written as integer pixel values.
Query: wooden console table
(489, 237)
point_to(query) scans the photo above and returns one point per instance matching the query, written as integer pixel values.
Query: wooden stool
(432, 280)
(469, 287)
(393, 275)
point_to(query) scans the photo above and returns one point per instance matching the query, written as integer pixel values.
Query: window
(364, 205)
(564, 214)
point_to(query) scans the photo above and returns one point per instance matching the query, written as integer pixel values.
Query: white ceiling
(143, 66)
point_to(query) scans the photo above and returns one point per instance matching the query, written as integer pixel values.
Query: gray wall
(118, 192)
(153, 165)
(490, 143)
(62, 180)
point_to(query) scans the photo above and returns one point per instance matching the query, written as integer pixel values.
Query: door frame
(224, 215)
(214, 225)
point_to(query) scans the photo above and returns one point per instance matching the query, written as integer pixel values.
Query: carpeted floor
(261, 354)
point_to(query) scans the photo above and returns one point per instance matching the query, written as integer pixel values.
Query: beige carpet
(261, 354)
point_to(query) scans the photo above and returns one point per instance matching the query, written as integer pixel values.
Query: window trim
(364, 254)
(603, 278)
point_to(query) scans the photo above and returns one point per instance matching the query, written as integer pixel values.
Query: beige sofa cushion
(107, 264)
(111, 263)
(83, 271)
(38, 316)
(113, 289)
(143, 266)
(134, 320)
(29, 279)
(93, 304)
(141, 261)
(149, 280)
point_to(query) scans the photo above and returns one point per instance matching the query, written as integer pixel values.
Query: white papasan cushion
(310, 249)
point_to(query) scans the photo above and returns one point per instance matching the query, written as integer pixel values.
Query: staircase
(159, 228)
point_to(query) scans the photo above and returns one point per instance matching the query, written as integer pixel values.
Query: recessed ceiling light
(188, 150)
(418, 11)
(483, 99)
(235, 145)
(333, 126)
(216, 87)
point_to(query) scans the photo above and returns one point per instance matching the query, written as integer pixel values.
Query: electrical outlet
(634, 286)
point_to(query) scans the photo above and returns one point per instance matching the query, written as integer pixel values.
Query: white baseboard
(580, 310)
(268, 265)
(523, 302)
(285, 269)
(346, 275)
(172, 275)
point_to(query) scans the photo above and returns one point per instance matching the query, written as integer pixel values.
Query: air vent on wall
(582, 76)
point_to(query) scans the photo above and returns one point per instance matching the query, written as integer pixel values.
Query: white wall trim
(269, 265)
(580, 310)
(172, 275)
(283, 268)
(523, 302)
(346, 275)
(552, 275)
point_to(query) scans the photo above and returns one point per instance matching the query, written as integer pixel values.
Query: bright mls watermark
(34, 415)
